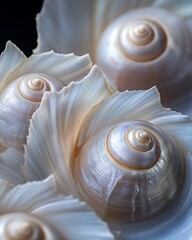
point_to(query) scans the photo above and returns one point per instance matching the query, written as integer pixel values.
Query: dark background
(17, 23)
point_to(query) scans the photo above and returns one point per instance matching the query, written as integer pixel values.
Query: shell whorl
(142, 40)
(33, 89)
(135, 148)
(17, 226)
(33, 86)
(24, 229)
(144, 168)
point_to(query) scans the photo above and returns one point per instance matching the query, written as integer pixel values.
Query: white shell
(148, 47)
(36, 211)
(64, 19)
(23, 83)
(79, 112)
(127, 171)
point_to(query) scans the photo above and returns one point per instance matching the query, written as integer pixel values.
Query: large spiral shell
(142, 165)
(123, 153)
(147, 47)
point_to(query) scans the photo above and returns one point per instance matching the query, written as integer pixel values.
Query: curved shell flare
(123, 153)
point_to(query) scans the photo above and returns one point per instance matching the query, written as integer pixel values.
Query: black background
(17, 23)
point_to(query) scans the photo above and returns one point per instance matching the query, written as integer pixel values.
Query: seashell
(148, 47)
(23, 83)
(136, 49)
(93, 159)
(45, 214)
(140, 173)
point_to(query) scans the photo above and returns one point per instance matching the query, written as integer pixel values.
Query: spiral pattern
(25, 226)
(22, 97)
(142, 40)
(33, 87)
(133, 145)
(142, 165)
(25, 230)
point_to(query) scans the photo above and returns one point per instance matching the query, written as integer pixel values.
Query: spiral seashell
(137, 164)
(147, 47)
(122, 152)
(137, 44)
(25, 227)
(142, 40)
(23, 84)
(20, 99)
(36, 211)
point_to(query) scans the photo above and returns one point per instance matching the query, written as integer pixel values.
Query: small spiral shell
(20, 226)
(18, 101)
(147, 47)
(142, 40)
(137, 148)
(142, 165)
(33, 86)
